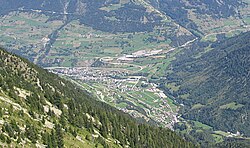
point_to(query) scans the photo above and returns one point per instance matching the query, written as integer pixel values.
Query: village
(114, 86)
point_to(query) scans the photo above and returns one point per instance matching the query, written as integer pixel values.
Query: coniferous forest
(72, 112)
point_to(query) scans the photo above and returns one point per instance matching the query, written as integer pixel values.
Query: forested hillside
(39, 108)
(182, 11)
(127, 15)
(106, 15)
(214, 87)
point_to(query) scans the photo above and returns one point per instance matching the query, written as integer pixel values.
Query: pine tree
(62, 120)
(59, 136)
(104, 131)
(49, 140)
(88, 137)
(53, 139)
(90, 126)
(2, 137)
(1, 113)
(19, 139)
(31, 133)
(8, 140)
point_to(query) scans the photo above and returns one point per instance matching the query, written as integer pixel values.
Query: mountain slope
(39, 108)
(214, 87)
(53, 33)
(61, 32)
(128, 15)
(107, 15)
(185, 11)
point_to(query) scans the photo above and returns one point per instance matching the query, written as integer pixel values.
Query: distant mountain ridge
(180, 10)
(90, 13)
(131, 14)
